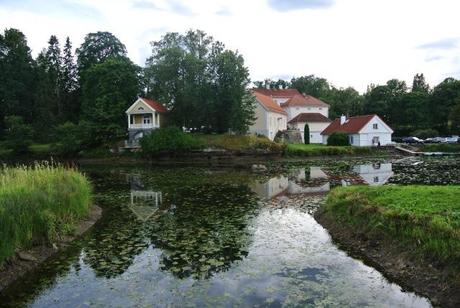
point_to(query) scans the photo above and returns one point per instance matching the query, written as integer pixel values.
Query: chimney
(342, 119)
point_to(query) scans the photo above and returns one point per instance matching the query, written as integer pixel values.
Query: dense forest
(79, 96)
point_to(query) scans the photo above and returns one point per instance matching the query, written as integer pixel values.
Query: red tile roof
(277, 92)
(155, 105)
(351, 126)
(268, 103)
(303, 101)
(310, 118)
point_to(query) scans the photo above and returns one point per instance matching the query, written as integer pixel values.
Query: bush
(425, 133)
(39, 204)
(321, 150)
(18, 135)
(168, 140)
(69, 139)
(241, 142)
(338, 139)
(306, 134)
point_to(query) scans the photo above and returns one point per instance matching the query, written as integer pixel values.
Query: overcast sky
(349, 42)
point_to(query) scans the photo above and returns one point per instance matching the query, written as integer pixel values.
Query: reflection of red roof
(277, 92)
(352, 125)
(269, 103)
(310, 118)
(155, 105)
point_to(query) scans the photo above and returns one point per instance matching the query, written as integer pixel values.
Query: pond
(221, 237)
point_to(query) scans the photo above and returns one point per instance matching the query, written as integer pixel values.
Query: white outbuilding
(365, 130)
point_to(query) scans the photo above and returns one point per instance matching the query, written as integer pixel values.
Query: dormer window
(140, 108)
(375, 126)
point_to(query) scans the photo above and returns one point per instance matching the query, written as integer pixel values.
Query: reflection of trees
(118, 240)
(207, 230)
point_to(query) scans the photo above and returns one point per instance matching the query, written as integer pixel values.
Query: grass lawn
(441, 147)
(38, 204)
(320, 149)
(426, 219)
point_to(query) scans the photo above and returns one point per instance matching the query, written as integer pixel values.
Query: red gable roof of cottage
(352, 125)
(155, 105)
(288, 93)
(269, 103)
(310, 118)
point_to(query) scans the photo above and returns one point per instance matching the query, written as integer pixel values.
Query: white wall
(294, 111)
(268, 123)
(260, 124)
(368, 132)
(315, 130)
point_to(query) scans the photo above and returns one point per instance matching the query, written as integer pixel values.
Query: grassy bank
(320, 149)
(424, 219)
(239, 142)
(441, 147)
(39, 204)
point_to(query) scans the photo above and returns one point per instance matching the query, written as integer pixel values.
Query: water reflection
(203, 238)
(315, 180)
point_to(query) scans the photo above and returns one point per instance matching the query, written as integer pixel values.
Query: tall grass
(39, 204)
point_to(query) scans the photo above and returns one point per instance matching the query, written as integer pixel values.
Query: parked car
(412, 140)
(453, 139)
(435, 140)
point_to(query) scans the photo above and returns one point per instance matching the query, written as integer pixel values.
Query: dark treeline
(408, 110)
(79, 99)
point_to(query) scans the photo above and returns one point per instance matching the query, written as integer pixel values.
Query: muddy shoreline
(26, 261)
(395, 262)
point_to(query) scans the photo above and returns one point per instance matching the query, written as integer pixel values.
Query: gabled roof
(287, 93)
(310, 118)
(268, 103)
(352, 125)
(155, 105)
(303, 101)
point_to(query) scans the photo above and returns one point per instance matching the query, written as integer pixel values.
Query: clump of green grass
(39, 204)
(319, 150)
(425, 219)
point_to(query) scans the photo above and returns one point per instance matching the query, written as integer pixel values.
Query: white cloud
(349, 42)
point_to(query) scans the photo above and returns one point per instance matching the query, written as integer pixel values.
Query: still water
(207, 237)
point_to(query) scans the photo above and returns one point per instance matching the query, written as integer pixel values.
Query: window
(375, 141)
(131, 119)
(350, 138)
(147, 119)
(140, 108)
(320, 108)
(375, 126)
(376, 179)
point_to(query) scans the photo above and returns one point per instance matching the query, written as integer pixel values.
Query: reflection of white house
(271, 188)
(144, 115)
(366, 130)
(314, 173)
(145, 203)
(270, 117)
(374, 174)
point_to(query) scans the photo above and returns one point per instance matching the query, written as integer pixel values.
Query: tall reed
(38, 204)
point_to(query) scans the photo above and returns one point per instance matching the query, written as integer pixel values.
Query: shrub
(18, 134)
(306, 134)
(338, 139)
(425, 133)
(168, 140)
(69, 139)
(39, 204)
